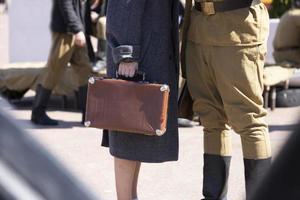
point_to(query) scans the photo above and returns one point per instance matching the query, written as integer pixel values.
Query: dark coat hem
(129, 157)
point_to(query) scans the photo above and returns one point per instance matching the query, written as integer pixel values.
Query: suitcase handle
(139, 76)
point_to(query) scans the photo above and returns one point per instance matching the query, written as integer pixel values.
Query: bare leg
(124, 175)
(135, 180)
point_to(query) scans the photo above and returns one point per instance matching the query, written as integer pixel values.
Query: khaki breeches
(64, 52)
(226, 85)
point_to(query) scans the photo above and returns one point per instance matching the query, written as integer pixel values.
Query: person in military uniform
(223, 58)
(287, 38)
(68, 46)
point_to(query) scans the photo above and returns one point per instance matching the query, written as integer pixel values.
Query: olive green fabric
(241, 27)
(23, 76)
(224, 63)
(18, 79)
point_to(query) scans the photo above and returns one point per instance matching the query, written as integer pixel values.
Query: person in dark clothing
(143, 35)
(68, 46)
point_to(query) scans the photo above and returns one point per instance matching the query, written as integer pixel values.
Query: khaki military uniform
(63, 52)
(287, 39)
(224, 67)
(223, 59)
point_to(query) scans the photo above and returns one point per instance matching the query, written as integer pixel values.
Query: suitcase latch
(91, 80)
(87, 123)
(164, 88)
(160, 132)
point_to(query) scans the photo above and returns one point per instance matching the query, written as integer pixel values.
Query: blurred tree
(278, 7)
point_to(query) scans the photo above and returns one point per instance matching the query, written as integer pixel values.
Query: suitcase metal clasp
(92, 80)
(87, 123)
(164, 88)
(160, 132)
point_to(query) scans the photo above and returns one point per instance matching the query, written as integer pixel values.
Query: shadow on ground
(286, 127)
(62, 103)
(56, 103)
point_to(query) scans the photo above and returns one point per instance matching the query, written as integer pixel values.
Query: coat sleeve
(71, 19)
(124, 29)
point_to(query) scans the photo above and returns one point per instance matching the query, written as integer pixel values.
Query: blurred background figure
(287, 38)
(67, 17)
(3, 6)
(97, 30)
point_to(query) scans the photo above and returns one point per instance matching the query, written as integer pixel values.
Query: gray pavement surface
(78, 148)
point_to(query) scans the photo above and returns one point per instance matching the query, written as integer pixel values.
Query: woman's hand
(127, 69)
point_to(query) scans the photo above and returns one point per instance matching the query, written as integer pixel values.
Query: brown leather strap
(227, 5)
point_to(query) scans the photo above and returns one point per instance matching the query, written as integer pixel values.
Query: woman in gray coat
(143, 35)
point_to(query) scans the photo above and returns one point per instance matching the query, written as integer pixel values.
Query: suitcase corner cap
(164, 88)
(87, 123)
(160, 132)
(91, 80)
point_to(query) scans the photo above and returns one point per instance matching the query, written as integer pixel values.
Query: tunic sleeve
(124, 29)
(69, 15)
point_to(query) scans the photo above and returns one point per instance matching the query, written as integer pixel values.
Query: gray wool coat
(150, 28)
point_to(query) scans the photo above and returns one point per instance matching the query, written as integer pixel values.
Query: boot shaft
(215, 177)
(41, 98)
(255, 170)
(38, 115)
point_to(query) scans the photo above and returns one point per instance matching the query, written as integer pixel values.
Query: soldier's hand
(80, 39)
(127, 69)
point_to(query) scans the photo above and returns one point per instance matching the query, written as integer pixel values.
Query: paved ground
(79, 149)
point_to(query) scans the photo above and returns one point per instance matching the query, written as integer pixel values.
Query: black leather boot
(82, 95)
(38, 115)
(215, 177)
(254, 172)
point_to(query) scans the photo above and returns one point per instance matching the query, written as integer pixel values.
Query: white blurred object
(273, 28)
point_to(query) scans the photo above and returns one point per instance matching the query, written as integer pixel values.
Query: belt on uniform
(213, 6)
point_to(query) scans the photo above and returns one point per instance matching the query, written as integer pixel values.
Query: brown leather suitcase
(127, 106)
